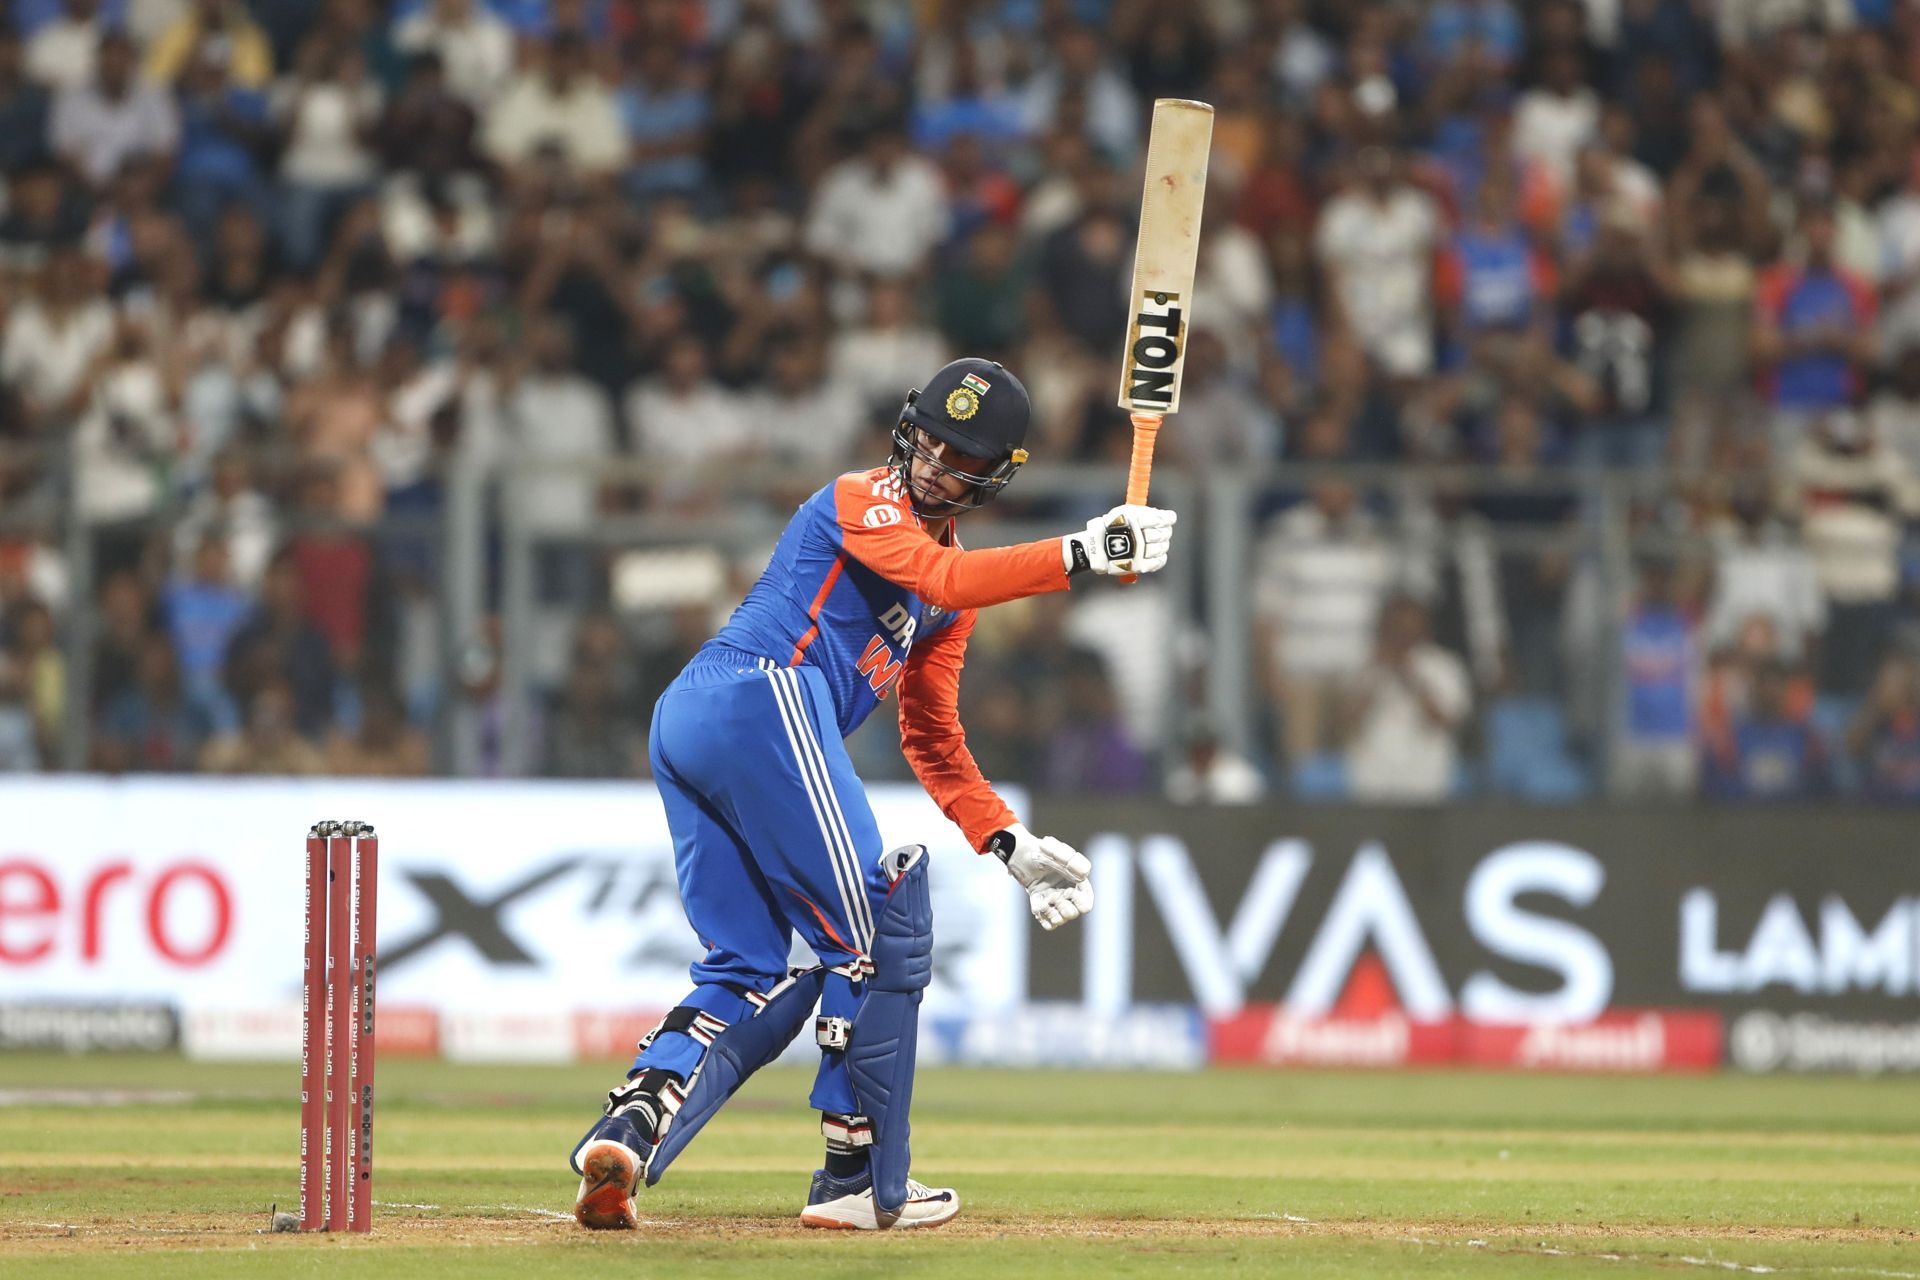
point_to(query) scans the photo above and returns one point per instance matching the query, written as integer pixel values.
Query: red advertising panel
(1620, 1040)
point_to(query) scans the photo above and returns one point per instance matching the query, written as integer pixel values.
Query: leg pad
(884, 1041)
(738, 1050)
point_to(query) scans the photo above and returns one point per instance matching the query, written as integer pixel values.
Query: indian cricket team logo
(964, 400)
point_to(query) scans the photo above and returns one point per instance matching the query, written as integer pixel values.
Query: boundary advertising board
(141, 911)
(1584, 938)
(150, 913)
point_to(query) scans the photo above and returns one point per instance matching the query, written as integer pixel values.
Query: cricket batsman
(868, 591)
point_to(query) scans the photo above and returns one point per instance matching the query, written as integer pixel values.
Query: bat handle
(1146, 431)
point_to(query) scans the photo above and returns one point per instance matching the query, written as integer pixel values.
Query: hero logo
(1838, 955)
(879, 517)
(1370, 910)
(186, 909)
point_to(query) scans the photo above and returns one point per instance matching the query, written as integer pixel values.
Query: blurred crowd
(1570, 350)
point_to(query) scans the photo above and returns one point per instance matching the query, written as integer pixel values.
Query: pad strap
(702, 1026)
(850, 1131)
(761, 999)
(858, 969)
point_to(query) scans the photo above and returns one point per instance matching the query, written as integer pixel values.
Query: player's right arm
(879, 529)
(1054, 874)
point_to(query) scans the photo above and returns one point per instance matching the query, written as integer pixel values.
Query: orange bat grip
(1146, 430)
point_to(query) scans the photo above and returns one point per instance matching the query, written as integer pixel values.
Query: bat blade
(1163, 261)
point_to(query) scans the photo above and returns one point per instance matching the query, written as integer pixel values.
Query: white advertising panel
(496, 898)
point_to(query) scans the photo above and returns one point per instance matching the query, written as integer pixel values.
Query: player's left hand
(1053, 872)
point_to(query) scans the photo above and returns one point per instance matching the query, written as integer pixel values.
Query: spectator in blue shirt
(31, 15)
(1770, 754)
(1494, 257)
(1490, 28)
(665, 107)
(223, 130)
(150, 727)
(1294, 319)
(23, 110)
(1813, 332)
(1678, 33)
(1660, 663)
(536, 18)
(203, 612)
(1885, 735)
(970, 106)
(278, 644)
(592, 20)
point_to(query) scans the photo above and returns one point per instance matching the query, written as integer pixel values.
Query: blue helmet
(977, 407)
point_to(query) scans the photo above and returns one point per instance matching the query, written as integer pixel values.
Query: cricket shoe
(846, 1204)
(609, 1160)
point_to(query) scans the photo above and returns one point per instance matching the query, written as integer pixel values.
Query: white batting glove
(1053, 872)
(1128, 539)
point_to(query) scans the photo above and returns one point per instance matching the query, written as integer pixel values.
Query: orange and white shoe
(609, 1160)
(608, 1174)
(846, 1204)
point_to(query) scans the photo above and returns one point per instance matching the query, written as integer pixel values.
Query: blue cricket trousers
(772, 834)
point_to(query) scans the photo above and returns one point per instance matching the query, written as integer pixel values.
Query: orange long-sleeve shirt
(935, 744)
(880, 529)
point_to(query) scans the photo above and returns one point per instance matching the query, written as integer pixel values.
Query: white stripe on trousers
(813, 799)
(812, 739)
(862, 919)
(806, 778)
(815, 777)
(826, 805)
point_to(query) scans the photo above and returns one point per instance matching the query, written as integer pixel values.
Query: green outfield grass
(1062, 1173)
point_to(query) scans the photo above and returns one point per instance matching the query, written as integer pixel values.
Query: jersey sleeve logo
(879, 516)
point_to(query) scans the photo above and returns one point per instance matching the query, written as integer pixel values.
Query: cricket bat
(1163, 268)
